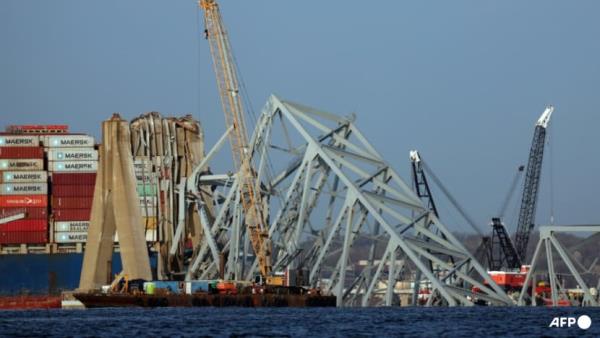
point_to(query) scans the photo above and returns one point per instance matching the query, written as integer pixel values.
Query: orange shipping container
(30, 213)
(13, 201)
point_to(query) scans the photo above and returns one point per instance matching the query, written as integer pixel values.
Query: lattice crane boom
(233, 108)
(531, 186)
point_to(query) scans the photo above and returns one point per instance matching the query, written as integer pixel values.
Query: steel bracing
(550, 245)
(332, 200)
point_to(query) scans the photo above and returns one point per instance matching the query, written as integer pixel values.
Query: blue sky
(462, 81)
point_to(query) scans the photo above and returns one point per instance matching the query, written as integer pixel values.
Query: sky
(461, 81)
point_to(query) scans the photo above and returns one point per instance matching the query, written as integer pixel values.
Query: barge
(97, 299)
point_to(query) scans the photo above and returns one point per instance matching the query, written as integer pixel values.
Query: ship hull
(29, 302)
(43, 274)
(94, 300)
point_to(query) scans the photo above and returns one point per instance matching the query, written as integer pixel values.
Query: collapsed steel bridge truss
(332, 200)
(550, 245)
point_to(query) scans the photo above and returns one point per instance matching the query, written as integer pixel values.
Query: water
(287, 322)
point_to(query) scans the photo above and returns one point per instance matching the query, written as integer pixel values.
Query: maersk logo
(16, 141)
(10, 177)
(73, 237)
(23, 188)
(17, 164)
(583, 322)
(70, 142)
(75, 166)
(74, 156)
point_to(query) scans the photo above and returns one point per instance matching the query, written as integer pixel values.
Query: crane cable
(270, 169)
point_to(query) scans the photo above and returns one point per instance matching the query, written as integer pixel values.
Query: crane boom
(420, 181)
(531, 186)
(228, 87)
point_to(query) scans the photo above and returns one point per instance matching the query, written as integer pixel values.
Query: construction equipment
(531, 187)
(503, 251)
(229, 91)
(500, 248)
(420, 182)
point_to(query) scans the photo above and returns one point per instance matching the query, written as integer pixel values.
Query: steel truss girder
(345, 188)
(549, 242)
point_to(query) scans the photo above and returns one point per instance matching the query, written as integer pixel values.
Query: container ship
(47, 179)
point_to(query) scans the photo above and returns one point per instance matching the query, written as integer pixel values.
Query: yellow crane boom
(228, 86)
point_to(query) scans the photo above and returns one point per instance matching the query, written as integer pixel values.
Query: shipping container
(24, 237)
(71, 202)
(71, 226)
(73, 166)
(197, 286)
(24, 189)
(73, 178)
(25, 225)
(72, 154)
(151, 236)
(68, 141)
(23, 177)
(147, 178)
(142, 164)
(150, 222)
(22, 164)
(71, 214)
(38, 129)
(147, 189)
(170, 286)
(14, 201)
(30, 213)
(70, 237)
(19, 141)
(72, 190)
(143, 170)
(148, 213)
(21, 152)
(148, 202)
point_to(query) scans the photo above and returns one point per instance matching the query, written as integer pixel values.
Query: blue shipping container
(197, 286)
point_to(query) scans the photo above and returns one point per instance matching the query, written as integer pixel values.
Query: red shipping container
(72, 202)
(14, 201)
(25, 226)
(30, 213)
(24, 237)
(71, 214)
(22, 152)
(72, 190)
(38, 128)
(74, 179)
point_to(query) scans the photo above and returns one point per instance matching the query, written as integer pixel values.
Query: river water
(288, 322)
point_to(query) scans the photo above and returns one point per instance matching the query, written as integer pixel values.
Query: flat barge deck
(96, 300)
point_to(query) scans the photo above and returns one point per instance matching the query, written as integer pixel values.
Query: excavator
(233, 107)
